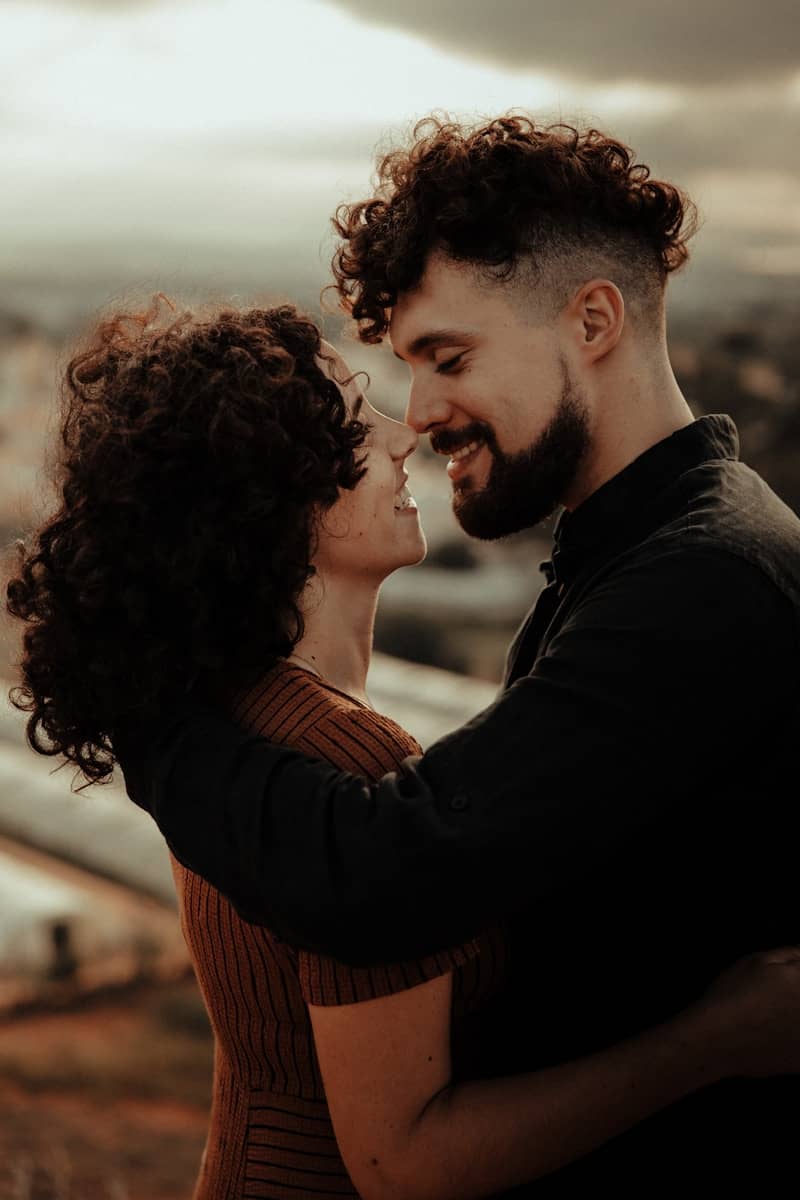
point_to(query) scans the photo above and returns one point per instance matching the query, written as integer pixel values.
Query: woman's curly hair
(494, 194)
(196, 455)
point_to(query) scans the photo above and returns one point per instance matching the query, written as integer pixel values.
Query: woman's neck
(339, 619)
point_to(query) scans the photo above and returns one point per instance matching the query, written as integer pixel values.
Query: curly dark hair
(196, 455)
(563, 200)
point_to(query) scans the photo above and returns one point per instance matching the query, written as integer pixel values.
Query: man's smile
(461, 460)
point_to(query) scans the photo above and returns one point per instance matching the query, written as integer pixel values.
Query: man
(623, 803)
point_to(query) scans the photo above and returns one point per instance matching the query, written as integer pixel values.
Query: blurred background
(199, 148)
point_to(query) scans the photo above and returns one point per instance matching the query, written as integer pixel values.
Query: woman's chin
(418, 553)
(411, 557)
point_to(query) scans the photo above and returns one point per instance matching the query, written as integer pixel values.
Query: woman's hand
(752, 1014)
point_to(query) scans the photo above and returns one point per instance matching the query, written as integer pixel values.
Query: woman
(230, 506)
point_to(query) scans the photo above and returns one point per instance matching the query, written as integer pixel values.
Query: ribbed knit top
(270, 1133)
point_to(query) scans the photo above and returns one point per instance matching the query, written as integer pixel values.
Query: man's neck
(339, 618)
(633, 416)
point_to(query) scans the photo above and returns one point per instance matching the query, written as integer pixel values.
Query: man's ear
(596, 315)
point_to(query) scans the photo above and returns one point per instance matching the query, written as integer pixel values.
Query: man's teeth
(464, 452)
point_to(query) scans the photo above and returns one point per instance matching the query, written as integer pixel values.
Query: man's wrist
(703, 1044)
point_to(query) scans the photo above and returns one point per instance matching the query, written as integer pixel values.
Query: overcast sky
(170, 140)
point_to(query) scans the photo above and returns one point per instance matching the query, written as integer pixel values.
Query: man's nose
(426, 407)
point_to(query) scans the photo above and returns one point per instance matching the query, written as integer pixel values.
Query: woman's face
(373, 529)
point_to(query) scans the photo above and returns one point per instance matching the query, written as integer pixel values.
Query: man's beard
(525, 488)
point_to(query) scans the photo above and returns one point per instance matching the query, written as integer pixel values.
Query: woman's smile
(404, 502)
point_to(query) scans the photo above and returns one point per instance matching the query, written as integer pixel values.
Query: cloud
(207, 164)
(698, 42)
(104, 5)
(734, 130)
(750, 132)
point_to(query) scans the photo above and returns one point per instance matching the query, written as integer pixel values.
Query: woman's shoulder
(294, 707)
(363, 741)
(283, 703)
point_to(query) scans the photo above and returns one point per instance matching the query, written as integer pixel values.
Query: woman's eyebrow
(435, 339)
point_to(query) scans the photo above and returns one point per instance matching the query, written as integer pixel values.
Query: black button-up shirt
(627, 803)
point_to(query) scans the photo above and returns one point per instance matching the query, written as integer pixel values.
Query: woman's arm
(406, 1131)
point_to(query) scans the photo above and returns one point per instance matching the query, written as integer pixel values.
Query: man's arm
(553, 782)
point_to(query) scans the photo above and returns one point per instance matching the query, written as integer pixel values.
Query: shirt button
(459, 801)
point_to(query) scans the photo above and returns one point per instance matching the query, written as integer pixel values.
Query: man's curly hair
(196, 456)
(549, 207)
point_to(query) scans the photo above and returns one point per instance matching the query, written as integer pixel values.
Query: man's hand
(752, 1013)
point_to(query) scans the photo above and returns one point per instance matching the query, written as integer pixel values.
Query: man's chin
(523, 489)
(480, 519)
(481, 516)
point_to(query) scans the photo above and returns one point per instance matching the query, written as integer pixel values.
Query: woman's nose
(404, 440)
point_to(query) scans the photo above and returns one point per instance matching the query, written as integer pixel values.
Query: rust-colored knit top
(270, 1132)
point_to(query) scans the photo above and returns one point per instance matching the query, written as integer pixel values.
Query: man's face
(492, 388)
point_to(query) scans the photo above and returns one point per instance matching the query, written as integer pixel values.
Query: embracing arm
(572, 764)
(406, 1130)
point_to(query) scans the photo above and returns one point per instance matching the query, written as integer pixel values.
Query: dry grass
(108, 1101)
(26, 1180)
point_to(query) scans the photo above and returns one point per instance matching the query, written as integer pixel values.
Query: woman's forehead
(335, 367)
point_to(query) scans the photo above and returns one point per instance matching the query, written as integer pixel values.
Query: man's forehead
(435, 337)
(430, 310)
(427, 318)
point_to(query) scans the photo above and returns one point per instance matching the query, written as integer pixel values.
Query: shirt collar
(623, 501)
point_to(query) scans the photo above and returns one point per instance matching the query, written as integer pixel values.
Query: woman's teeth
(404, 499)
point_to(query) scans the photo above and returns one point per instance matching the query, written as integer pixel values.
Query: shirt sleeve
(328, 981)
(362, 741)
(649, 695)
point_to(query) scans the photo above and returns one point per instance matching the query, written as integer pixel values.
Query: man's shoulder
(732, 502)
(728, 524)
(699, 584)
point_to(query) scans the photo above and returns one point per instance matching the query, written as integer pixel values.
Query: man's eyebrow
(435, 339)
